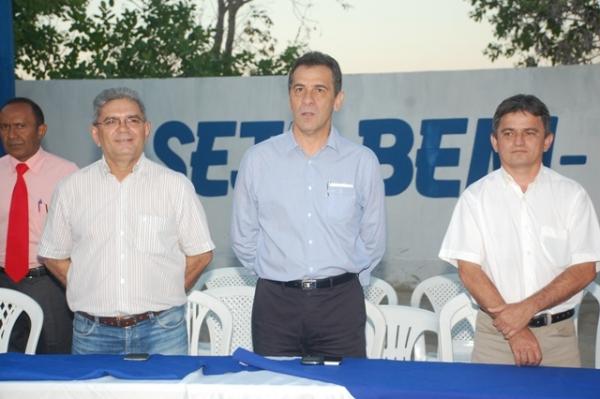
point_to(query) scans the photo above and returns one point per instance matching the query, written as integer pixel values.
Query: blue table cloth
(20, 367)
(364, 379)
(374, 379)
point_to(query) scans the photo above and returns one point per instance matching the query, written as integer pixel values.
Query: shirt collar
(34, 163)
(508, 179)
(332, 140)
(139, 165)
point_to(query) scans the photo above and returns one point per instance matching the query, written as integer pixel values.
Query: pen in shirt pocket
(42, 206)
(333, 185)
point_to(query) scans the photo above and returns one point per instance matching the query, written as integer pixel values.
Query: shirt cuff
(453, 257)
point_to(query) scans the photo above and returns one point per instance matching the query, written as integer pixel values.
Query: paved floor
(588, 320)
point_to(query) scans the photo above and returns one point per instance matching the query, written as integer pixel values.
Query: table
(242, 385)
(359, 378)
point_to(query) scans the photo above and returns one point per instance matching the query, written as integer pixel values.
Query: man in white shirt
(526, 242)
(127, 237)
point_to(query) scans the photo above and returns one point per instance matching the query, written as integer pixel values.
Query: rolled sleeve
(584, 232)
(194, 235)
(463, 240)
(56, 241)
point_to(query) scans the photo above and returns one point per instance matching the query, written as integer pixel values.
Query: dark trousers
(57, 330)
(294, 322)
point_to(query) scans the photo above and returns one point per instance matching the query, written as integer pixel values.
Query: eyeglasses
(5, 127)
(129, 121)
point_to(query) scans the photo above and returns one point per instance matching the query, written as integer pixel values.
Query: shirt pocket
(341, 200)
(153, 234)
(555, 246)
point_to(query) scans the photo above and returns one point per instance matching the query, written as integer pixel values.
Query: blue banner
(7, 55)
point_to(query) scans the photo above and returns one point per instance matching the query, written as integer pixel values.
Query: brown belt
(121, 321)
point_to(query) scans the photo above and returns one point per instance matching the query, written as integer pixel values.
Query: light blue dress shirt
(298, 217)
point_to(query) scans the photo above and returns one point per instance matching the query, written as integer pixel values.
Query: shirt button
(122, 281)
(310, 269)
(122, 256)
(310, 162)
(310, 242)
(309, 214)
(122, 233)
(309, 188)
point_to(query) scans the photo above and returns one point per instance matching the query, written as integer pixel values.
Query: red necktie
(17, 239)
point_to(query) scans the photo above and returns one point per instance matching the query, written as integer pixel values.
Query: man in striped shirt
(128, 237)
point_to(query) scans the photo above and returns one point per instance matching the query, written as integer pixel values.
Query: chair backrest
(226, 277)
(404, 326)
(239, 301)
(380, 291)
(12, 303)
(374, 331)
(594, 290)
(459, 309)
(201, 308)
(439, 290)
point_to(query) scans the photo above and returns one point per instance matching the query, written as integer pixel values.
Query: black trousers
(294, 322)
(57, 330)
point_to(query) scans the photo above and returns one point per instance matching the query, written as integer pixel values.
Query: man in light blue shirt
(309, 219)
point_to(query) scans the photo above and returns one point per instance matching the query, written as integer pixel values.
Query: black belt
(121, 321)
(311, 284)
(546, 318)
(32, 273)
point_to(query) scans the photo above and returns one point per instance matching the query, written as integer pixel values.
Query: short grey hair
(117, 93)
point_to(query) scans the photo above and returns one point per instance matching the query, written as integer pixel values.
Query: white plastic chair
(380, 292)
(594, 290)
(226, 277)
(374, 331)
(404, 326)
(238, 301)
(460, 309)
(206, 310)
(439, 290)
(12, 304)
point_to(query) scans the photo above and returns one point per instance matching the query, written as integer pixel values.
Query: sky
(376, 36)
(379, 36)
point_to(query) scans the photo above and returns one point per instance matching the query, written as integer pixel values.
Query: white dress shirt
(127, 240)
(524, 240)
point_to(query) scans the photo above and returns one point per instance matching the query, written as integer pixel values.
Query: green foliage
(542, 31)
(61, 40)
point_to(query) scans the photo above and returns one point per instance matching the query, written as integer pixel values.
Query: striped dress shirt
(127, 240)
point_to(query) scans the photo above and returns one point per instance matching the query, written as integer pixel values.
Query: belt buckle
(548, 319)
(308, 284)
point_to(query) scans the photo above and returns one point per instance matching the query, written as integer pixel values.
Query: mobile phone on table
(313, 360)
(137, 356)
